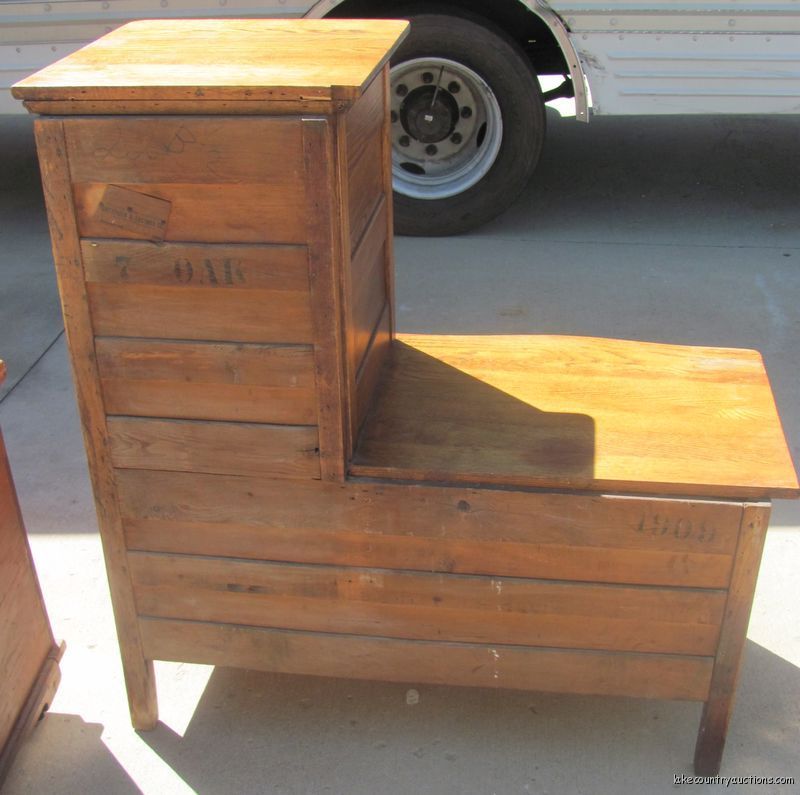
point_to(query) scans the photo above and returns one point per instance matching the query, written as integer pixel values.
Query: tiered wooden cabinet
(282, 483)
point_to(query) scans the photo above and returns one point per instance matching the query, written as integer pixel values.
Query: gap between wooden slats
(287, 651)
(234, 448)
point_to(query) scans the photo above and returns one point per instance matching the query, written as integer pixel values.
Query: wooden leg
(140, 682)
(57, 184)
(717, 710)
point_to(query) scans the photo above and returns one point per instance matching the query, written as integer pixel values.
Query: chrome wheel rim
(446, 128)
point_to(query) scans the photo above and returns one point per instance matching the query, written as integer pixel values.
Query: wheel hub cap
(429, 115)
(446, 128)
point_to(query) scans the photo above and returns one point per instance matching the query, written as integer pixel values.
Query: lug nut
(401, 90)
(456, 138)
(466, 112)
(404, 140)
(427, 77)
(431, 149)
(393, 117)
(454, 87)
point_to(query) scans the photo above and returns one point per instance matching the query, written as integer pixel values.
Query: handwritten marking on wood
(136, 213)
(679, 528)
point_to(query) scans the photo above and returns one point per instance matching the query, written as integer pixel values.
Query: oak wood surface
(38, 702)
(231, 59)
(351, 656)
(326, 252)
(187, 107)
(188, 312)
(236, 448)
(578, 413)
(365, 188)
(215, 266)
(459, 530)
(186, 150)
(138, 670)
(402, 604)
(212, 381)
(208, 212)
(26, 639)
(718, 708)
(372, 366)
(368, 287)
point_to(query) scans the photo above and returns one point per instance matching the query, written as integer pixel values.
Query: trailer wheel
(467, 125)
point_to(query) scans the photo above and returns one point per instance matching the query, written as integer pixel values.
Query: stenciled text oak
(284, 484)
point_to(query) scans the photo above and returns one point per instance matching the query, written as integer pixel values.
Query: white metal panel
(691, 73)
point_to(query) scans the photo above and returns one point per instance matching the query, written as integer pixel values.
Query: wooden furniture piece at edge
(29, 655)
(228, 304)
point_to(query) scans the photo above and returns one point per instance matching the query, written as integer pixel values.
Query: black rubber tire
(490, 53)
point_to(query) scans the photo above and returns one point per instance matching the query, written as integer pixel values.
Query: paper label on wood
(137, 213)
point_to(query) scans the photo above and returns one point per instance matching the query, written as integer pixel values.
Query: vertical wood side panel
(139, 677)
(719, 706)
(325, 254)
(387, 188)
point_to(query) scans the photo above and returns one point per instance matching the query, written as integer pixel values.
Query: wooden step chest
(283, 483)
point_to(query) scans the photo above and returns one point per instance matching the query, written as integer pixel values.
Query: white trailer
(467, 105)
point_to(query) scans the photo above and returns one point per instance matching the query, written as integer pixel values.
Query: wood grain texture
(348, 656)
(325, 256)
(267, 151)
(235, 448)
(457, 530)
(372, 368)
(446, 607)
(368, 294)
(365, 188)
(38, 702)
(386, 159)
(188, 312)
(211, 212)
(138, 669)
(211, 381)
(281, 268)
(718, 708)
(26, 640)
(365, 120)
(228, 59)
(187, 107)
(578, 413)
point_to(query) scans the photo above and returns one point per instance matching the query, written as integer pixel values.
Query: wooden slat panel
(368, 285)
(551, 536)
(197, 380)
(589, 672)
(369, 375)
(208, 213)
(325, 252)
(225, 447)
(143, 310)
(283, 268)
(177, 149)
(365, 120)
(365, 187)
(428, 606)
